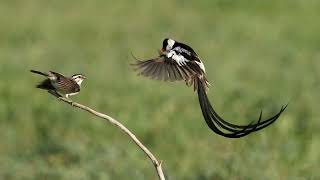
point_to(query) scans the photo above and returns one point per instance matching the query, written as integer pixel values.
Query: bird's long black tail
(45, 84)
(38, 72)
(221, 126)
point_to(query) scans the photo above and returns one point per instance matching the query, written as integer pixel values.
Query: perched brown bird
(178, 61)
(60, 85)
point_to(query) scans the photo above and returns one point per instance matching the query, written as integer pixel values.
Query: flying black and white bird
(177, 62)
(60, 85)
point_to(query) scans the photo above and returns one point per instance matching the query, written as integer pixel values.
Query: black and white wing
(167, 69)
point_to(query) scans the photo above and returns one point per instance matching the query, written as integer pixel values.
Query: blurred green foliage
(258, 55)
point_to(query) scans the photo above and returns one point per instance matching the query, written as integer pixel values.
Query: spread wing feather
(163, 68)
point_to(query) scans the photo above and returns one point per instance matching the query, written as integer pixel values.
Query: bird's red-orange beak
(161, 51)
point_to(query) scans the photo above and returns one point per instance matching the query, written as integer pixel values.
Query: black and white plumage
(60, 85)
(177, 62)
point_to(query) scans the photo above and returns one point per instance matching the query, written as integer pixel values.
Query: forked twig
(155, 162)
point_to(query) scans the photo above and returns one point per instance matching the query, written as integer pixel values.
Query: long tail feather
(38, 72)
(216, 123)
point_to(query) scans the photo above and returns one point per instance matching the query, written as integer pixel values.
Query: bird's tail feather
(45, 84)
(195, 82)
(216, 123)
(38, 72)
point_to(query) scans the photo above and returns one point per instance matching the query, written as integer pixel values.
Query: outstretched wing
(167, 69)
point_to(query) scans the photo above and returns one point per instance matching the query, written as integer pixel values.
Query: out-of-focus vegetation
(258, 55)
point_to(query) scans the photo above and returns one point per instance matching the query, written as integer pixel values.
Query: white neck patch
(170, 44)
(78, 80)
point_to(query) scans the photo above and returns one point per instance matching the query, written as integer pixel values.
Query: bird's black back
(186, 51)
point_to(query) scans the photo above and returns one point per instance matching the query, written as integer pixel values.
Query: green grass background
(258, 55)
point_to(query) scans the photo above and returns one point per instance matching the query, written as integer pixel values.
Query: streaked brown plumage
(59, 84)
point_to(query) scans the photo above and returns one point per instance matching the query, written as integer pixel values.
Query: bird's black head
(167, 44)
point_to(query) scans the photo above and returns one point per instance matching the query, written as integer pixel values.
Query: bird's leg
(66, 96)
(70, 101)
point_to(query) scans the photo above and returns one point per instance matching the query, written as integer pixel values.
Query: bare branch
(155, 162)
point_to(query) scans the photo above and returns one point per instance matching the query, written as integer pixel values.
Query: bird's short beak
(161, 51)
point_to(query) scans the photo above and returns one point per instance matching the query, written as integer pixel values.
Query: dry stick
(155, 162)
